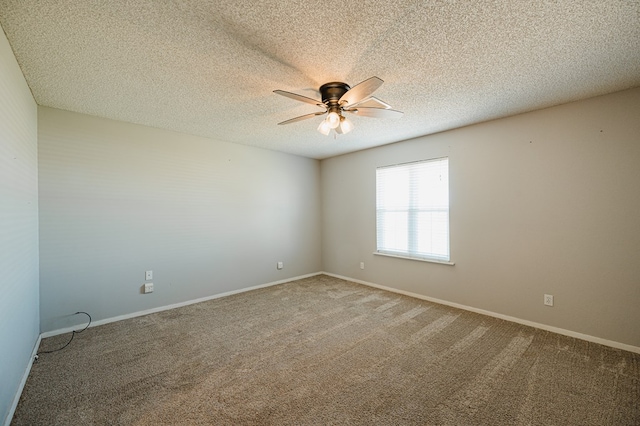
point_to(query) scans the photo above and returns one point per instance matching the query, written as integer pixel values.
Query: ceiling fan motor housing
(332, 92)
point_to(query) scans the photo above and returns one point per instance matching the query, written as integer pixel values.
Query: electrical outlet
(548, 299)
(148, 275)
(280, 265)
(361, 265)
(148, 288)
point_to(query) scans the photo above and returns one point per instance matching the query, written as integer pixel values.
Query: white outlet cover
(280, 265)
(548, 299)
(148, 275)
(148, 288)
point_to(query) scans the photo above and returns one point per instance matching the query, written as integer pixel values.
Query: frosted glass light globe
(346, 125)
(333, 119)
(324, 127)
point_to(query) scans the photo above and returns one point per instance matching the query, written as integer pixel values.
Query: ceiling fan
(337, 98)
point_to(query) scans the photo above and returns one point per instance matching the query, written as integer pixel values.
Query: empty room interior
(290, 212)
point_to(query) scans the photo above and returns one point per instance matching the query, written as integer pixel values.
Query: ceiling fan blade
(360, 91)
(300, 98)
(371, 102)
(375, 112)
(303, 117)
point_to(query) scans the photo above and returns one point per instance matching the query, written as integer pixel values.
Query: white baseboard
(173, 306)
(23, 382)
(557, 330)
(552, 329)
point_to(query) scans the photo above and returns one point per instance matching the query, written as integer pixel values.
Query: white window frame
(418, 174)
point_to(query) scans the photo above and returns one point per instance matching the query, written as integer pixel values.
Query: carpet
(320, 351)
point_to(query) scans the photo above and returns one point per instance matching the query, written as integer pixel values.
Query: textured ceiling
(209, 68)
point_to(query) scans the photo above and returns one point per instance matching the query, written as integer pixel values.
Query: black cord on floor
(72, 335)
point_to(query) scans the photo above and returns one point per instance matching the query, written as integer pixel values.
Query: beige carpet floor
(326, 351)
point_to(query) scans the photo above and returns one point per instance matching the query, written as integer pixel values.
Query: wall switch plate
(361, 265)
(280, 265)
(548, 299)
(148, 275)
(148, 288)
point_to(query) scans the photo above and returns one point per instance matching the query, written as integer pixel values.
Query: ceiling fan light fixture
(324, 127)
(333, 119)
(345, 125)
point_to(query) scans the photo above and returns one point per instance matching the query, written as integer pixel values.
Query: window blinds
(412, 209)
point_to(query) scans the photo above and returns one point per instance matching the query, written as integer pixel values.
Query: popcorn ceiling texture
(209, 67)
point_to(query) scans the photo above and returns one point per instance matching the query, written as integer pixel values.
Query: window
(412, 210)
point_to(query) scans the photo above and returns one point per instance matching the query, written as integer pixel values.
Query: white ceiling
(209, 67)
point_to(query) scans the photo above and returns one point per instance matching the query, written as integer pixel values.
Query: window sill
(442, 262)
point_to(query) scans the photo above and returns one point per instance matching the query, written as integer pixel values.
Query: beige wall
(543, 202)
(19, 298)
(208, 217)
